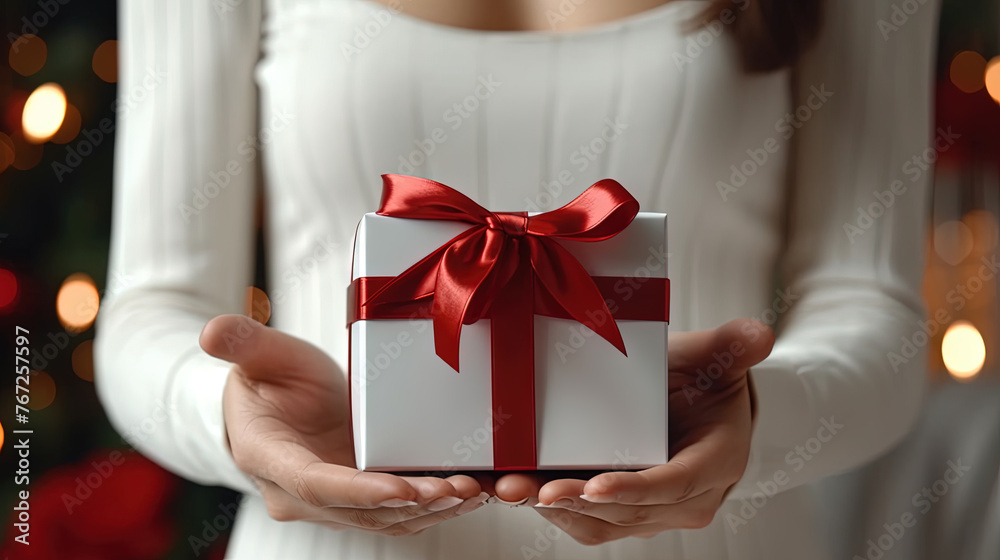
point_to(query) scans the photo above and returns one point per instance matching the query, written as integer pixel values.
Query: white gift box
(595, 408)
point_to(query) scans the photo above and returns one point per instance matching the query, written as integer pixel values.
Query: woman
(780, 168)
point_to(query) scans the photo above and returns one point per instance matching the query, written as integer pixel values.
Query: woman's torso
(519, 121)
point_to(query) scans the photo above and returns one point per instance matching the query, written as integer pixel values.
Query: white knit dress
(783, 188)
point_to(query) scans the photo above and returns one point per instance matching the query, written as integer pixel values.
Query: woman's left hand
(710, 428)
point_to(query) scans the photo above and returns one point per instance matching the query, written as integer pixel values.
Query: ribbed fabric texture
(326, 96)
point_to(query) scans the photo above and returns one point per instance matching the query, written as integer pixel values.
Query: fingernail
(596, 499)
(473, 503)
(397, 502)
(442, 504)
(564, 503)
(512, 504)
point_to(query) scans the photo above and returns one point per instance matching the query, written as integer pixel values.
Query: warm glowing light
(105, 62)
(77, 303)
(70, 126)
(43, 390)
(966, 71)
(27, 54)
(963, 350)
(1, 436)
(8, 287)
(6, 152)
(83, 360)
(43, 112)
(256, 305)
(992, 78)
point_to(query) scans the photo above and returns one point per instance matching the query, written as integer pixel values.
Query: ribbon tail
(575, 291)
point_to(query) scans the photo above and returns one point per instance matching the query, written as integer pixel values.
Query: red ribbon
(507, 267)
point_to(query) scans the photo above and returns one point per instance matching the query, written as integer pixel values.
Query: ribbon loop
(467, 274)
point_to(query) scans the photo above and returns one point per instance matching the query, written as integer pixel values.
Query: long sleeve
(182, 237)
(841, 385)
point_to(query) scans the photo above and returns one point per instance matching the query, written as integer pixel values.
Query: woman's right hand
(287, 418)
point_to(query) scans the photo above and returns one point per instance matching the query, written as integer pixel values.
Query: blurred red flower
(111, 506)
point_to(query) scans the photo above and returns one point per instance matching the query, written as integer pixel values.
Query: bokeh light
(27, 54)
(105, 62)
(8, 287)
(963, 350)
(256, 305)
(6, 152)
(992, 78)
(966, 71)
(77, 303)
(1, 436)
(43, 112)
(43, 390)
(70, 126)
(953, 241)
(83, 360)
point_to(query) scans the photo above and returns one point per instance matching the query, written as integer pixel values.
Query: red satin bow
(465, 275)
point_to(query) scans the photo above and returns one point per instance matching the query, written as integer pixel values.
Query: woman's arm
(182, 236)
(839, 388)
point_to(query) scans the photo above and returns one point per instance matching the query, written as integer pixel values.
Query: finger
(563, 488)
(260, 351)
(282, 506)
(704, 465)
(303, 475)
(587, 530)
(418, 524)
(431, 488)
(518, 487)
(745, 341)
(693, 513)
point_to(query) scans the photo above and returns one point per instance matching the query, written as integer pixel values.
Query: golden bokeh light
(70, 126)
(77, 302)
(43, 390)
(83, 360)
(256, 305)
(966, 71)
(992, 78)
(105, 62)
(27, 54)
(43, 112)
(6, 152)
(963, 350)
(1, 436)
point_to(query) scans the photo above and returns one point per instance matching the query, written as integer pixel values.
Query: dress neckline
(643, 17)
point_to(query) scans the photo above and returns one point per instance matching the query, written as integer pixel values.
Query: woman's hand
(710, 427)
(285, 405)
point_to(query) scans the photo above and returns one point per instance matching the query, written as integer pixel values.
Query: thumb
(738, 345)
(260, 351)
